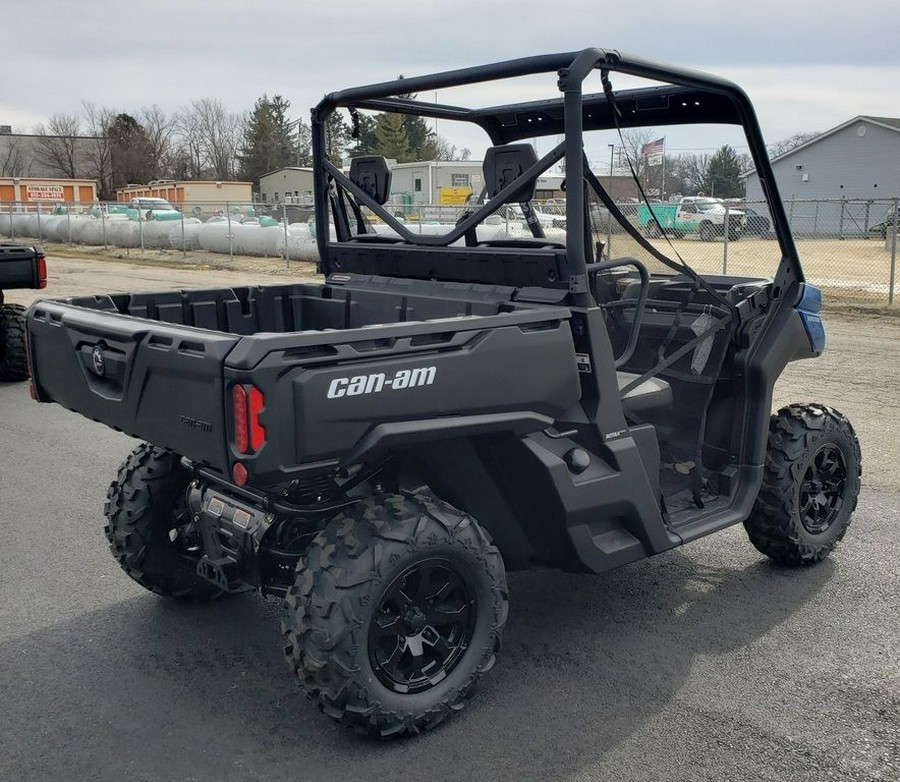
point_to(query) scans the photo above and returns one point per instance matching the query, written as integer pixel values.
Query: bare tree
(57, 147)
(158, 130)
(634, 139)
(693, 170)
(98, 154)
(13, 158)
(218, 136)
(447, 151)
(787, 144)
(187, 153)
(205, 140)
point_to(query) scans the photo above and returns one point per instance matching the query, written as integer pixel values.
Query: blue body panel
(809, 307)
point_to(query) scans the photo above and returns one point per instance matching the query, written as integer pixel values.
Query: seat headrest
(370, 173)
(505, 164)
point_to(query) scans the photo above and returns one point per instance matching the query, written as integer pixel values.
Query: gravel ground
(706, 663)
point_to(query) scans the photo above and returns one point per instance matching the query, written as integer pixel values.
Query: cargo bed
(331, 386)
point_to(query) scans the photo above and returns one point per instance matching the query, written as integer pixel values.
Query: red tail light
(249, 434)
(239, 474)
(239, 405)
(42, 271)
(257, 432)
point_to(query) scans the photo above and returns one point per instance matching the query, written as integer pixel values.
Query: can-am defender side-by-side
(454, 401)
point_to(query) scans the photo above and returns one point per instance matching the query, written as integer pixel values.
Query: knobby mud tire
(797, 433)
(13, 359)
(340, 582)
(142, 508)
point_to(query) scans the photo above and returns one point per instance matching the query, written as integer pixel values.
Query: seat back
(370, 173)
(505, 164)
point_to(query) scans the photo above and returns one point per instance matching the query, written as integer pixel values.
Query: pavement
(705, 663)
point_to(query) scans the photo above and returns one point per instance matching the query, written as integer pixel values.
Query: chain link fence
(848, 247)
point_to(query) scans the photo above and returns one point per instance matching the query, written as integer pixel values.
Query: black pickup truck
(450, 403)
(20, 267)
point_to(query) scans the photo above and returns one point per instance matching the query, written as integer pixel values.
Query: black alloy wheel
(822, 490)
(422, 626)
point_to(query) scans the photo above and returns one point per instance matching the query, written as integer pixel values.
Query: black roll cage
(688, 97)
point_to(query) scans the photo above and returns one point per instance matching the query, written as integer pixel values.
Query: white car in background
(154, 209)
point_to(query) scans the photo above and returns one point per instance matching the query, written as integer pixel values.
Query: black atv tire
(13, 361)
(149, 528)
(350, 629)
(810, 485)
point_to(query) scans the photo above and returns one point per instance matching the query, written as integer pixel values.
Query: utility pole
(612, 154)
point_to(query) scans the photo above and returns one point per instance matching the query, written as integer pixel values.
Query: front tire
(810, 485)
(13, 361)
(149, 528)
(396, 612)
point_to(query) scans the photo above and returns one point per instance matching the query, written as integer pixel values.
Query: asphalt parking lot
(704, 663)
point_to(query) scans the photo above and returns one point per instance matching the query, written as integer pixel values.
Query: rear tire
(707, 232)
(396, 612)
(810, 485)
(149, 529)
(13, 360)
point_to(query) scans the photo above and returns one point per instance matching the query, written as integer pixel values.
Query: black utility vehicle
(20, 267)
(379, 449)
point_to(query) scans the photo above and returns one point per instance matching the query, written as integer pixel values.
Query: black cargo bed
(160, 366)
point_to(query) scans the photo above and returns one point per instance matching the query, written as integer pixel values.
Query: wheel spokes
(386, 625)
(422, 627)
(823, 489)
(443, 615)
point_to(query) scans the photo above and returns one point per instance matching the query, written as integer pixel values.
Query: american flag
(654, 151)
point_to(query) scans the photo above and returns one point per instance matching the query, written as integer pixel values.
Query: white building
(840, 181)
(289, 185)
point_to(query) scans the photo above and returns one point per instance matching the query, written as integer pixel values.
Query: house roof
(286, 168)
(891, 123)
(438, 164)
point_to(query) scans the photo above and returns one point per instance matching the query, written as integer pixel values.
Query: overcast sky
(808, 66)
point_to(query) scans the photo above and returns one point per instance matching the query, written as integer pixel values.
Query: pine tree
(337, 137)
(129, 151)
(423, 143)
(724, 173)
(392, 139)
(366, 142)
(270, 141)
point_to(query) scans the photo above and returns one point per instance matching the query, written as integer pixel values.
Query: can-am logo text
(372, 384)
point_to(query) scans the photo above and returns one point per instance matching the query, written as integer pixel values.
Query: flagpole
(662, 194)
